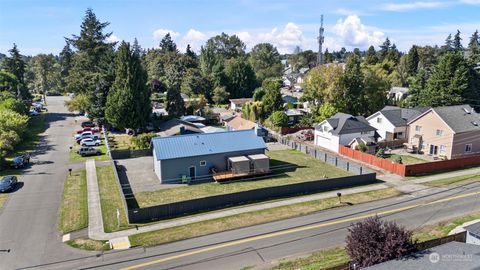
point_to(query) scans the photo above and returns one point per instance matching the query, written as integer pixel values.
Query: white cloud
(112, 39)
(195, 38)
(285, 39)
(161, 32)
(352, 32)
(414, 5)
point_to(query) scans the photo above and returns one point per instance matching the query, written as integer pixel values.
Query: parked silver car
(8, 183)
(89, 151)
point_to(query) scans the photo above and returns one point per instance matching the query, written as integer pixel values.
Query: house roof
(460, 118)
(400, 116)
(227, 117)
(210, 129)
(192, 118)
(241, 101)
(206, 144)
(258, 157)
(343, 123)
(397, 89)
(474, 228)
(452, 255)
(365, 140)
(238, 159)
(217, 110)
(173, 126)
(238, 123)
(294, 112)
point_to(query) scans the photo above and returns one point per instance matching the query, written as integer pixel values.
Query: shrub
(278, 119)
(398, 159)
(142, 141)
(373, 241)
(361, 147)
(380, 153)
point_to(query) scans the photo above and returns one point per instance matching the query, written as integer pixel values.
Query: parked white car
(83, 134)
(90, 142)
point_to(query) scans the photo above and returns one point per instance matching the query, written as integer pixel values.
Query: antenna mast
(321, 39)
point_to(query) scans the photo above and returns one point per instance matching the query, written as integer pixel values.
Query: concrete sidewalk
(95, 223)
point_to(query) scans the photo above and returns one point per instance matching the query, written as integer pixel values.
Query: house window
(418, 128)
(468, 148)
(325, 128)
(203, 163)
(443, 149)
(379, 120)
(439, 132)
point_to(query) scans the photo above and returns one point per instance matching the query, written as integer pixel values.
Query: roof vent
(474, 123)
(466, 110)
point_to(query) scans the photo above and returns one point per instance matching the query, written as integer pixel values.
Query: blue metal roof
(206, 144)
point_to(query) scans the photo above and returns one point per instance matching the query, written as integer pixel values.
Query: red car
(94, 130)
(306, 135)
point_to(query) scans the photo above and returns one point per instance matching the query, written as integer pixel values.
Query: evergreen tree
(457, 42)
(137, 49)
(328, 57)
(240, 78)
(190, 53)
(417, 86)
(474, 49)
(16, 66)
(167, 44)
(128, 102)
(412, 61)
(272, 100)
(384, 49)
(65, 62)
(393, 54)
(265, 61)
(354, 84)
(371, 56)
(448, 44)
(449, 83)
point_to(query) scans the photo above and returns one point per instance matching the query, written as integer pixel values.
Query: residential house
(397, 93)
(391, 122)
(195, 156)
(452, 255)
(341, 129)
(367, 142)
(447, 132)
(473, 233)
(239, 123)
(176, 126)
(193, 119)
(236, 104)
(294, 116)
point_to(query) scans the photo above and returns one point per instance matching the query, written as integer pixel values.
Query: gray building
(473, 233)
(193, 157)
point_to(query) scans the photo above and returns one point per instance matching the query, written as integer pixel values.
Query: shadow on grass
(126, 187)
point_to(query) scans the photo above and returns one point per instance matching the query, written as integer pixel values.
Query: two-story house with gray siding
(195, 156)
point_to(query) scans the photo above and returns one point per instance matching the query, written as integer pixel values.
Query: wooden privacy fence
(412, 169)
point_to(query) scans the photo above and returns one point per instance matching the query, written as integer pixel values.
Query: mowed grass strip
(318, 260)
(298, 167)
(110, 200)
(406, 159)
(443, 228)
(74, 207)
(3, 200)
(252, 218)
(89, 244)
(75, 157)
(456, 180)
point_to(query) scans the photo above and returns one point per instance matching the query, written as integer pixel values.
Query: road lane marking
(299, 229)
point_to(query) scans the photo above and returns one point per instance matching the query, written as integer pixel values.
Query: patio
(410, 158)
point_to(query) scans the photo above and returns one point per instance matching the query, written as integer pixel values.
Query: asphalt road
(28, 223)
(272, 241)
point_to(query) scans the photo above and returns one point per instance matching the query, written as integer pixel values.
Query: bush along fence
(142, 215)
(413, 169)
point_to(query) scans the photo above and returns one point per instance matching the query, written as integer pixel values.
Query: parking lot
(139, 173)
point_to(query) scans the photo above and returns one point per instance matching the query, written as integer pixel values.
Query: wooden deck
(228, 176)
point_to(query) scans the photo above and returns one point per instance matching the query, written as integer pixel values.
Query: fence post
(326, 157)
(361, 169)
(348, 166)
(336, 161)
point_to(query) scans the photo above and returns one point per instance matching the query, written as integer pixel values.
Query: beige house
(445, 132)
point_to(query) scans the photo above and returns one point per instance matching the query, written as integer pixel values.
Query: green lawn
(457, 180)
(443, 228)
(119, 141)
(406, 159)
(3, 199)
(111, 200)
(317, 260)
(89, 244)
(74, 208)
(252, 218)
(308, 168)
(74, 157)
(36, 126)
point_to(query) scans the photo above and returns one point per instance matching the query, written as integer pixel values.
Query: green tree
(167, 44)
(272, 100)
(219, 49)
(16, 66)
(474, 48)
(328, 57)
(384, 49)
(371, 57)
(240, 78)
(79, 103)
(8, 82)
(258, 94)
(449, 83)
(128, 103)
(412, 61)
(353, 80)
(220, 95)
(65, 61)
(448, 46)
(457, 42)
(45, 72)
(194, 83)
(265, 61)
(278, 119)
(417, 85)
(326, 110)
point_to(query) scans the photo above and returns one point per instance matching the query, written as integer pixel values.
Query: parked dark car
(19, 162)
(88, 124)
(8, 183)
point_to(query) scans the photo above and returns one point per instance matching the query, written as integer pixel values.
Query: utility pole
(321, 39)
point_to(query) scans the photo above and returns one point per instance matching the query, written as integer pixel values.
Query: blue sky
(39, 26)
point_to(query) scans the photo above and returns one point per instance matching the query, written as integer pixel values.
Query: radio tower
(320, 42)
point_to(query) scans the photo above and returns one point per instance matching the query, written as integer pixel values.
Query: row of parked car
(88, 137)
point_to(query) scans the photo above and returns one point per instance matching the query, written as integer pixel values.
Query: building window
(468, 148)
(203, 163)
(443, 149)
(379, 120)
(439, 132)
(418, 128)
(325, 128)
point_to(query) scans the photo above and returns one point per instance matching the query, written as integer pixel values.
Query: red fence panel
(382, 163)
(444, 165)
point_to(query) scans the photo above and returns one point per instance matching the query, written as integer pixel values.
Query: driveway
(28, 223)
